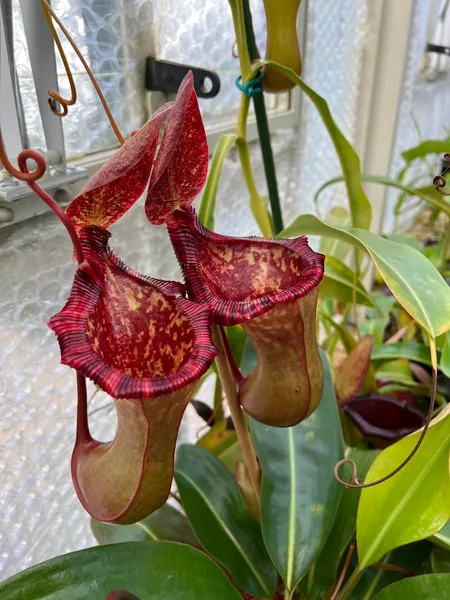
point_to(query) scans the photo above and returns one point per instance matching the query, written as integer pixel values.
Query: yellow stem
(230, 388)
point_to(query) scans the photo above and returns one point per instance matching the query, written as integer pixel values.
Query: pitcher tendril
(439, 182)
(354, 481)
(54, 96)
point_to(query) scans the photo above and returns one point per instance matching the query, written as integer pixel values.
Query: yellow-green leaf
(413, 504)
(413, 280)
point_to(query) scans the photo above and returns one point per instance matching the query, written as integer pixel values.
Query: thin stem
(256, 203)
(48, 9)
(344, 570)
(350, 585)
(218, 411)
(230, 387)
(263, 127)
(237, 11)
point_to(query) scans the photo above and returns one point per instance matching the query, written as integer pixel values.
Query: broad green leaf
(325, 570)
(338, 282)
(215, 508)
(397, 371)
(360, 208)
(440, 560)
(375, 327)
(402, 350)
(445, 356)
(442, 537)
(414, 558)
(426, 147)
(299, 495)
(415, 283)
(428, 193)
(423, 587)
(337, 217)
(165, 524)
(413, 504)
(153, 571)
(208, 203)
(405, 238)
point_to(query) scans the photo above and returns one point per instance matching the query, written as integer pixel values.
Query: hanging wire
(55, 97)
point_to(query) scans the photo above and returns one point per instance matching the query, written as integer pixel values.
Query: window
(115, 38)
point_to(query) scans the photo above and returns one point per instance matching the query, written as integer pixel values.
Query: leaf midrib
(376, 540)
(291, 527)
(228, 532)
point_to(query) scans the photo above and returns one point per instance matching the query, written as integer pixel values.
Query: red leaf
(122, 180)
(182, 162)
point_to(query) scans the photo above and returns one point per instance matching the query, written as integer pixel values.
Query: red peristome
(122, 180)
(181, 166)
(134, 336)
(241, 278)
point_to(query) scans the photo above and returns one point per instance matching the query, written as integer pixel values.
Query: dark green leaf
(216, 510)
(402, 350)
(299, 495)
(440, 560)
(413, 280)
(337, 217)
(360, 208)
(325, 570)
(154, 571)
(424, 587)
(165, 524)
(414, 558)
(444, 363)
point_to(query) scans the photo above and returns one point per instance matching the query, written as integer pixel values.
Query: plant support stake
(263, 129)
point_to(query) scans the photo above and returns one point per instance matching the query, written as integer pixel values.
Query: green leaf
(402, 350)
(325, 570)
(415, 558)
(236, 338)
(426, 147)
(428, 193)
(338, 283)
(337, 217)
(154, 571)
(216, 510)
(440, 560)
(415, 283)
(423, 587)
(413, 504)
(442, 537)
(299, 495)
(208, 203)
(222, 441)
(360, 208)
(165, 524)
(445, 356)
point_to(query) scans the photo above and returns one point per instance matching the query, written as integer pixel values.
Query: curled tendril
(355, 482)
(439, 182)
(30, 177)
(55, 97)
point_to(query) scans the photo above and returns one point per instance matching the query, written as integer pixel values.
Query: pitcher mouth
(134, 336)
(242, 278)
